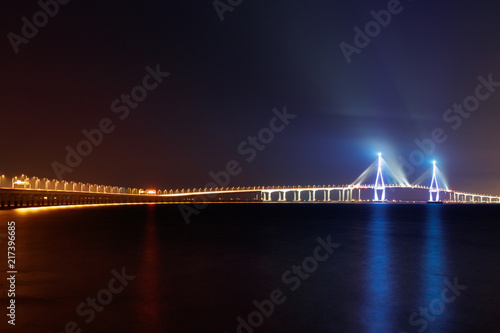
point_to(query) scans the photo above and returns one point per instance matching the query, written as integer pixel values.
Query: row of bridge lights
(26, 183)
(44, 184)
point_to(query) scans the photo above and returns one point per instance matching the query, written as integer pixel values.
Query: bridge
(24, 191)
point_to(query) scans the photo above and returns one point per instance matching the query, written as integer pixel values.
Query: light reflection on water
(433, 267)
(379, 289)
(385, 279)
(149, 289)
(393, 260)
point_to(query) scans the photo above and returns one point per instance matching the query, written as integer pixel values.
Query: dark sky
(226, 78)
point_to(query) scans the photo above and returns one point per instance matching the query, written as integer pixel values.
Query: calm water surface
(397, 268)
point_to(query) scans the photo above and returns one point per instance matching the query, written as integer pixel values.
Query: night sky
(226, 77)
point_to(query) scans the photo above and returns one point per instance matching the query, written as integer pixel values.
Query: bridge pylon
(379, 182)
(434, 188)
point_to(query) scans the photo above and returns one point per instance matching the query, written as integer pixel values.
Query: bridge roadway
(15, 198)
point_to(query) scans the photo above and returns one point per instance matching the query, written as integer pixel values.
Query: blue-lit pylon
(434, 188)
(379, 182)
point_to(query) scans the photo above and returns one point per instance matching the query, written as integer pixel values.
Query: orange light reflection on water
(148, 308)
(42, 208)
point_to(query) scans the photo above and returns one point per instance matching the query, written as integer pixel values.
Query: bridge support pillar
(434, 188)
(379, 182)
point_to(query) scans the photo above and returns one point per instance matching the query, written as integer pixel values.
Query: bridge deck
(13, 198)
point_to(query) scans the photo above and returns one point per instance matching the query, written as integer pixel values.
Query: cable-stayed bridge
(352, 192)
(24, 191)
